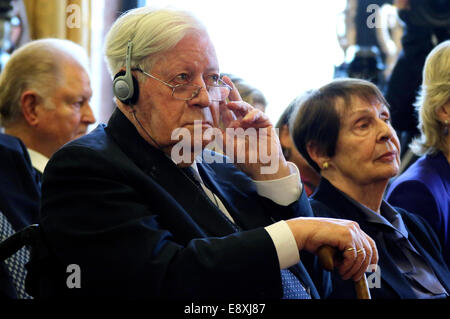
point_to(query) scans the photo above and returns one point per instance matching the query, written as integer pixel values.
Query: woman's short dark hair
(317, 119)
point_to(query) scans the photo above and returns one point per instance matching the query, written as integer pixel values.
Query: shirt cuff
(283, 191)
(285, 244)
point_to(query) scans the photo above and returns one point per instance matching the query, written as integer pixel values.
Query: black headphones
(125, 85)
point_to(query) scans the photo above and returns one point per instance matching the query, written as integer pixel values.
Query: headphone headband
(125, 86)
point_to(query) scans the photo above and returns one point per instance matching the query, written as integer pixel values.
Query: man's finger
(234, 94)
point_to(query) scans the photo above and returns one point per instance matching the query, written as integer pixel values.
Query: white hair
(37, 66)
(152, 31)
(435, 92)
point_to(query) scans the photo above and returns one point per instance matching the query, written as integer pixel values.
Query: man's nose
(87, 115)
(202, 98)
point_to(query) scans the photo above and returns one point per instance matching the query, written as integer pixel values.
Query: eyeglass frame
(174, 87)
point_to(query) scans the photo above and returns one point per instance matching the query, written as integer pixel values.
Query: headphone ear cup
(125, 90)
(135, 97)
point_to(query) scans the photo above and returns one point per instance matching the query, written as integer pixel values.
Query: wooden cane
(327, 255)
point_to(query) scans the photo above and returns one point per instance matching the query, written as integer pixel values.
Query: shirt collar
(196, 172)
(38, 160)
(388, 217)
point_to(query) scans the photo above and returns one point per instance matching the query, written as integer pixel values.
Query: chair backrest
(14, 253)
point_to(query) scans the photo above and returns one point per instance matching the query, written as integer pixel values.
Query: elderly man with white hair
(138, 219)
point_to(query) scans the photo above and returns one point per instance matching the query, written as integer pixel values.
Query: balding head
(45, 94)
(36, 66)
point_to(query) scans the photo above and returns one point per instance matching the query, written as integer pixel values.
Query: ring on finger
(360, 250)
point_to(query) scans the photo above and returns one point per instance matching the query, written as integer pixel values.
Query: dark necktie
(38, 177)
(292, 288)
(189, 172)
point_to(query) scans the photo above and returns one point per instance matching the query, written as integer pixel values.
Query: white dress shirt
(38, 161)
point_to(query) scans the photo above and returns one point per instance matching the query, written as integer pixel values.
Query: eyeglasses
(217, 91)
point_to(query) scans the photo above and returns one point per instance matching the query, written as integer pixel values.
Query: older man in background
(45, 97)
(44, 103)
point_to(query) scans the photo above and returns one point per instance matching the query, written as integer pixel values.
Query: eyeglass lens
(187, 92)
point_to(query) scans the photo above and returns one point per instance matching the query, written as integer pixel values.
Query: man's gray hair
(152, 31)
(37, 66)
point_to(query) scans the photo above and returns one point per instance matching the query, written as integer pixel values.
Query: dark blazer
(19, 195)
(424, 189)
(329, 202)
(138, 228)
(19, 186)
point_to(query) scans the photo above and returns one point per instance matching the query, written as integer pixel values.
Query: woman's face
(443, 115)
(367, 149)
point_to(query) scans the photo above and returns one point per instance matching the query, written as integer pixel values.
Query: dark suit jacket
(19, 194)
(19, 188)
(329, 202)
(138, 228)
(424, 189)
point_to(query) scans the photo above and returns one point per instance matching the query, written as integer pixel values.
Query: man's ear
(316, 154)
(29, 101)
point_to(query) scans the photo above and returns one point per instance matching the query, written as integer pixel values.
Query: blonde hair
(152, 31)
(434, 92)
(35, 66)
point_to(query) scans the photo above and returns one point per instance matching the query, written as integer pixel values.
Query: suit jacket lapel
(440, 270)
(163, 171)
(390, 274)
(233, 188)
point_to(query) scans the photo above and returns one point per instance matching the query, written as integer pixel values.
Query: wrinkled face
(70, 113)
(191, 61)
(367, 149)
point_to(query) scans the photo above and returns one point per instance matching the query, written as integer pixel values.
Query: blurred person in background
(424, 188)
(310, 178)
